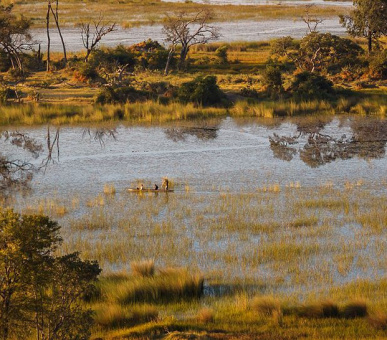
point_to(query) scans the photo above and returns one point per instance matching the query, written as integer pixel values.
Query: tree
(317, 52)
(90, 39)
(187, 30)
(368, 19)
(14, 36)
(26, 244)
(55, 14)
(41, 292)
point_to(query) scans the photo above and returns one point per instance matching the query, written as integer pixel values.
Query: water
(246, 30)
(226, 163)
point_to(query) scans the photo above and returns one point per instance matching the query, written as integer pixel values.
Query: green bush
(308, 85)
(272, 80)
(127, 94)
(201, 91)
(378, 65)
(221, 53)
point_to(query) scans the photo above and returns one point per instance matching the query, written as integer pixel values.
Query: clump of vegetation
(221, 53)
(272, 81)
(205, 315)
(127, 94)
(356, 309)
(143, 268)
(167, 286)
(265, 306)
(306, 86)
(202, 91)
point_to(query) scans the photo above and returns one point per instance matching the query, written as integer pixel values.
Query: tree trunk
(170, 55)
(48, 35)
(369, 42)
(56, 18)
(87, 55)
(183, 56)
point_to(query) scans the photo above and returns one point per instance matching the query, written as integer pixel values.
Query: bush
(356, 309)
(308, 85)
(201, 91)
(7, 93)
(221, 53)
(272, 80)
(378, 65)
(127, 94)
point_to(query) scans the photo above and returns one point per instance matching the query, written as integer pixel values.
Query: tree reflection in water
(18, 172)
(180, 133)
(368, 141)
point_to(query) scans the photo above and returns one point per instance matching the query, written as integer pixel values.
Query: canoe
(149, 190)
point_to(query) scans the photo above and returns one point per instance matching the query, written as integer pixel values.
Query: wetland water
(246, 30)
(297, 203)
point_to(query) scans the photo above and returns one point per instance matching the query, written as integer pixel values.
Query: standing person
(165, 184)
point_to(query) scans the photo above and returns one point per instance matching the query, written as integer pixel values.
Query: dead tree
(55, 14)
(187, 30)
(48, 35)
(311, 21)
(93, 33)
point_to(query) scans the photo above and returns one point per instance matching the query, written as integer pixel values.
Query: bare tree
(56, 18)
(310, 20)
(93, 33)
(187, 29)
(48, 35)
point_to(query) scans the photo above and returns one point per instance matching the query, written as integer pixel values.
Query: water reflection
(316, 147)
(181, 133)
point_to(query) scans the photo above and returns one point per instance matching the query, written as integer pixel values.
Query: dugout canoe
(149, 190)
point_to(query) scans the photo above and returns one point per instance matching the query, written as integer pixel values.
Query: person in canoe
(165, 184)
(156, 187)
(142, 186)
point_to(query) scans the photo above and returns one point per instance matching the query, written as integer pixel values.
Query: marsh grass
(167, 286)
(144, 268)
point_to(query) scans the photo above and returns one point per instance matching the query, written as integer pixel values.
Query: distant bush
(143, 268)
(7, 93)
(308, 85)
(378, 65)
(127, 94)
(272, 80)
(201, 91)
(356, 309)
(221, 53)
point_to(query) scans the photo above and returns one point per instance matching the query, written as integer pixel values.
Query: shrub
(356, 309)
(308, 85)
(272, 80)
(378, 65)
(326, 309)
(201, 91)
(221, 53)
(110, 95)
(7, 93)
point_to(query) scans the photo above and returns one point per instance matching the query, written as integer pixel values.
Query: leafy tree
(368, 19)
(317, 52)
(39, 292)
(14, 36)
(26, 243)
